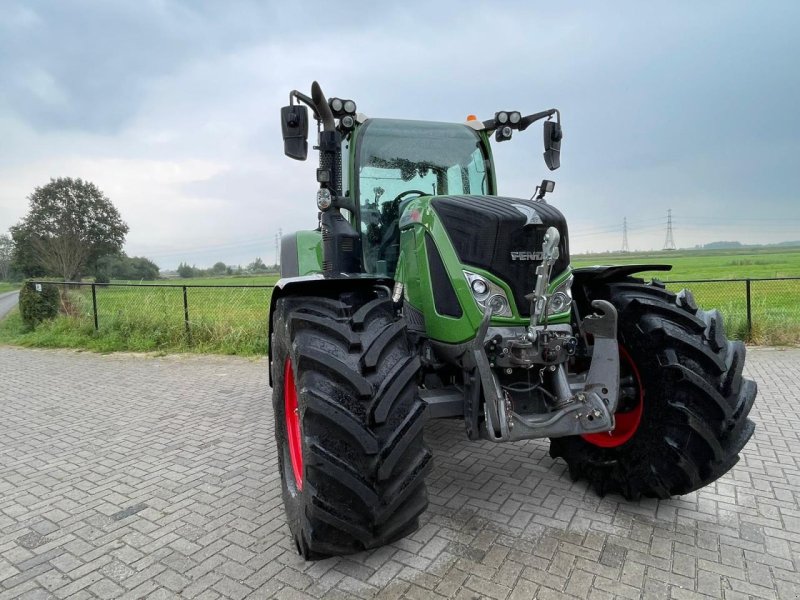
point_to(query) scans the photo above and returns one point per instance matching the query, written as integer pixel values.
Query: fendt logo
(527, 255)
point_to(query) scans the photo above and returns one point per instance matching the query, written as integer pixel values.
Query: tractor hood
(503, 236)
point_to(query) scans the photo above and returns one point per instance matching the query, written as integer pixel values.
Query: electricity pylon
(669, 243)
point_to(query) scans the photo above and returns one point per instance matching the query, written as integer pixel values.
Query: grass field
(708, 264)
(153, 318)
(233, 320)
(8, 287)
(775, 305)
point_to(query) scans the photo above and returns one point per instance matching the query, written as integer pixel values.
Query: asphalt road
(7, 302)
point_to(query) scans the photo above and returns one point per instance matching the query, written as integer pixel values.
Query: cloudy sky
(172, 109)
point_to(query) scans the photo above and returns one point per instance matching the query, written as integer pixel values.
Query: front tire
(682, 417)
(348, 424)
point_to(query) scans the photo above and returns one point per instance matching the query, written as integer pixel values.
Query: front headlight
(487, 293)
(560, 300)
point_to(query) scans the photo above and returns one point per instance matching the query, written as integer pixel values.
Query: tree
(122, 266)
(70, 224)
(6, 250)
(62, 255)
(140, 267)
(219, 268)
(257, 265)
(185, 271)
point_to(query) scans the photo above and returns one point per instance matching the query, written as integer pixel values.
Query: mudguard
(323, 285)
(587, 277)
(606, 273)
(301, 253)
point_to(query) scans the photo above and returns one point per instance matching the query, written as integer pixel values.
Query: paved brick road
(124, 476)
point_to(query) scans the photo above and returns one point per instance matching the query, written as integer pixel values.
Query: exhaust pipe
(323, 110)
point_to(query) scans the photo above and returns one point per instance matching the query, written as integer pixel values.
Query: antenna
(625, 248)
(669, 243)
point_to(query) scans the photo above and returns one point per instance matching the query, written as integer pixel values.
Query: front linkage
(590, 408)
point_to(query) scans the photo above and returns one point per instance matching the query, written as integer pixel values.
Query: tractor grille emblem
(524, 255)
(530, 214)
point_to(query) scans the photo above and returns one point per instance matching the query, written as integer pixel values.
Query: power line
(625, 235)
(669, 243)
(278, 245)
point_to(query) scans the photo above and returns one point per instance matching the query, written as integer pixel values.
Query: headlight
(558, 302)
(499, 305)
(487, 293)
(560, 298)
(324, 199)
(479, 288)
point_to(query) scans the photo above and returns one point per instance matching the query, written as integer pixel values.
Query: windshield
(400, 160)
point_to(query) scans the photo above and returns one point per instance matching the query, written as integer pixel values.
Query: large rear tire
(348, 423)
(682, 417)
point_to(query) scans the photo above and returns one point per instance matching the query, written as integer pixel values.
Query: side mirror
(552, 144)
(545, 187)
(294, 124)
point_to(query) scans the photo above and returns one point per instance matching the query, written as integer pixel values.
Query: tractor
(423, 294)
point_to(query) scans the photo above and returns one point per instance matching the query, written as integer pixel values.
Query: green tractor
(423, 294)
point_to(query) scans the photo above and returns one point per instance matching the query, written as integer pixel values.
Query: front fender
(608, 273)
(587, 277)
(323, 285)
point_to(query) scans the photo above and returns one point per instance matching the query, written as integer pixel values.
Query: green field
(775, 305)
(233, 320)
(222, 320)
(708, 264)
(8, 287)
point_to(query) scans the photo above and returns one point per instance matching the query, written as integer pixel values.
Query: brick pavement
(129, 476)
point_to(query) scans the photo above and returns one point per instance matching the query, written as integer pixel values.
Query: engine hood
(504, 236)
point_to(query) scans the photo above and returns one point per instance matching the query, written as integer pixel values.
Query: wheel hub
(293, 436)
(627, 422)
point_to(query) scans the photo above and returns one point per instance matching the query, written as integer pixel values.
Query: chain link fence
(233, 318)
(227, 318)
(760, 311)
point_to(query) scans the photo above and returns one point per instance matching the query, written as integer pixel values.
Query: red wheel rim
(625, 423)
(292, 423)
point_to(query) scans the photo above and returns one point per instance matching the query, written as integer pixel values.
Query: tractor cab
(370, 169)
(395, 161)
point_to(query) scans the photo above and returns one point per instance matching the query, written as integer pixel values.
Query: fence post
(749, 311)
(94, 305)
(186, 315)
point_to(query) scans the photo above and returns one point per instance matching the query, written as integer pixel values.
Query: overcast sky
(172, 109)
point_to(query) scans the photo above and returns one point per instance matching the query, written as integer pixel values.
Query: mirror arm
(530, 119)
(305, 100)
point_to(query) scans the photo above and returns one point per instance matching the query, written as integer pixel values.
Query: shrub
(35, 306)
